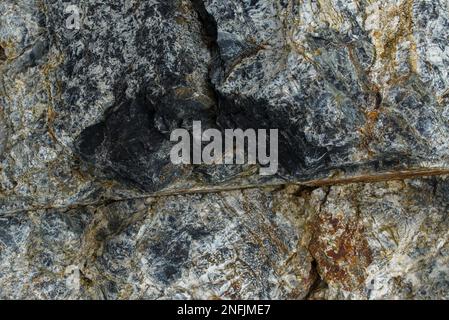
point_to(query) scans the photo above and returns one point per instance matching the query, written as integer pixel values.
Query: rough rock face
(92, 208)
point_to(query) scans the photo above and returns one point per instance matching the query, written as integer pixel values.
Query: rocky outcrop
(92, 207)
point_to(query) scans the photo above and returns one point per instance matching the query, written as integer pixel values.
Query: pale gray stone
(92, 208)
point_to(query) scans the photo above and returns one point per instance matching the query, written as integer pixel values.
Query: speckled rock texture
(92, 208)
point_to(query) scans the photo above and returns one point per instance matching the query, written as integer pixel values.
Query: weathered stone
(382, 241)
(92, 207)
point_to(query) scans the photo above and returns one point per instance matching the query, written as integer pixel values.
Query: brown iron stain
(341, 250)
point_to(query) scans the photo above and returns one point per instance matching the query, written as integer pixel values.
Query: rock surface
(92, 208)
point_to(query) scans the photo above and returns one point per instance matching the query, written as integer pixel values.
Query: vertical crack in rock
(210, 34)
(318, 285)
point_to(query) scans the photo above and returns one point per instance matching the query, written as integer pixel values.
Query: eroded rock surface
(92, 207)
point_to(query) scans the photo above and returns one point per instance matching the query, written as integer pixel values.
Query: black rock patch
(127, 144)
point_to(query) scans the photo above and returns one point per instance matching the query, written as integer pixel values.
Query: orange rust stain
(373, 115)
(341, 250)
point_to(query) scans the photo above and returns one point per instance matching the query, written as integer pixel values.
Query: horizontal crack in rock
(317, 183)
